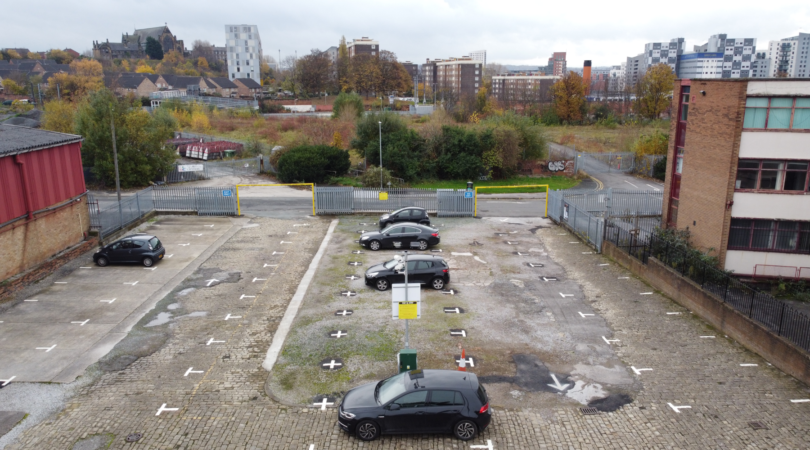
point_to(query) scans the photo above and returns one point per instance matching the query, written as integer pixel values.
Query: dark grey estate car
(419, 401)
(138, 248)
(427, 270)
(410, 214)
(401, 236)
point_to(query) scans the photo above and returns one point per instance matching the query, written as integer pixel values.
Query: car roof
(140, 236)
(442, 379)
(410, 224)
(410, 207)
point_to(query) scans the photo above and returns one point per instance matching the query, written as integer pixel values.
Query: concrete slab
(9, 419)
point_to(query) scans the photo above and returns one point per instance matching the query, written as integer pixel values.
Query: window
(767, 175)
(769, 235)
(445, 398)
(423, 265)
(777, 113)
(413, 400)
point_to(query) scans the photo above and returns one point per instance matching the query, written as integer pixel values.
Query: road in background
(608, 177)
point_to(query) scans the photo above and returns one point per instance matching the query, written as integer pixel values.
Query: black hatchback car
(402, 235)
(138, 248)
(410, 214)
(423, 269)
(419, 401)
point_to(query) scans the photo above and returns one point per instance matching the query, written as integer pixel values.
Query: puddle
(585, 392)
(185, 292)
(195, 314)
(173, 306)
(161, 319)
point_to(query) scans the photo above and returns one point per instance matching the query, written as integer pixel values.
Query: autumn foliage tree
(85, 77)
(568, 97)
(653, 91)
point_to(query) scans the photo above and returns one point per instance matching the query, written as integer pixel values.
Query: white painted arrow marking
(259, 279)
(798, 400)
(339, 334)
(191, 370)
(460, 254)
(150, 268)
(452, 310)
(285, 242)
(246, 296)
(332, 364)
(557, 385)
(292, 232)
(197, 234)
(467, 361)
(461, 333)
(169, 256)
(645, 293)
(81, 324)
(107, 301)
(678, 408)
(211, 281)
(344, 313)
(133, 283)
(212, 341)
(638, 371)
(277, 253)
(232, 317)
(533, 265)
(488, 446)
(566, 295)
(549, 279)
(163, 408)
(210, 226)
(608, 341)
(323, 404)
(584, 315)
(5, 382)
(47, 349)
(749, 365)
(183, 245)
(451, 292)
(479, 260)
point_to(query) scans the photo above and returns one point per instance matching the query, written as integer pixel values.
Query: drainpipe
(26, 190)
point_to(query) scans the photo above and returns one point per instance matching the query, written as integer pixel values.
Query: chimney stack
(586, 76)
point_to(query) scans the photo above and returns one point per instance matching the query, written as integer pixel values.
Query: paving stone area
(225, 406)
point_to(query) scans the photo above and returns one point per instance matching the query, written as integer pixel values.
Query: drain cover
(589, 411)
(134, 437)
(757, 425)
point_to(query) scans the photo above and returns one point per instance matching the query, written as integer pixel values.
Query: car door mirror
(393, 407)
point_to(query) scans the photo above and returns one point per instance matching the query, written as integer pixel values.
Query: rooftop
(15, 139)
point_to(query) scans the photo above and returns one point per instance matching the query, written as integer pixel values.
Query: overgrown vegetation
(312, 164)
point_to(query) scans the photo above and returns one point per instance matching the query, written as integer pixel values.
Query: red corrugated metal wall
(53, 174)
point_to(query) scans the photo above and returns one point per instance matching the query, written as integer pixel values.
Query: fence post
(725, 293)
(781, 316)
(751, 309)
(666, 254)
(138, 203)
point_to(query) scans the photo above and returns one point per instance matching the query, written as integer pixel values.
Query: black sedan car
(423, 269)
(401, 236)
(419, 401)
(410, 214)
(138, 248)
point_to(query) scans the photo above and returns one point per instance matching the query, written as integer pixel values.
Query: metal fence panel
(334, 200)
(175, 199)
(582, 223)
(605, 162)
(216, 201)
(213, 169)
(453, 203)
(367, 200)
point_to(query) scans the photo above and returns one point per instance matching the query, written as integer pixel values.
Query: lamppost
(381, 168)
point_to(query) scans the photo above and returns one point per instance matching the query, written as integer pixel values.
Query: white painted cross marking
(339, 334)
(163, 408)
(169, 256)
(47, 349)
(108, 301)
(211, 281)
(678, 408)
(344, 313)
(461, 333)
(452, 310)
(212, 341)
(285, 242)
(654, 188)
(566, 295)
(608, 341)
(332, 364)
(259, 279)
(85, 267)
(749, 365)
(798, 400)
(645, 293)
(451, 292)
(60, 282)
(232, 317)
(557, 385)
(81, 324)
(246, 296)
(133, 283)
(460, 254)
(277, 253)
(638, 371)
(488, 446)
(150, 268)
(323, 404)
(549, 279)
(673, 313)
(292, 232)
(707, 337)
(197, 234)
(31, 300)
(269, 265)
(183, 245)
(479, 260)
(467, 361)
(5, 382)
(191, 370)
(584, 315)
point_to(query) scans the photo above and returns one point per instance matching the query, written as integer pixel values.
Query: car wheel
(368, 431)
(148, 261)
(464, 430)
(102, 261)
(423, 245)
(382, 284)
(374, 245)
(437, 283)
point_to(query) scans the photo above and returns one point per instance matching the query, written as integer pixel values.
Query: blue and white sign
(468, 194)
(226, 193)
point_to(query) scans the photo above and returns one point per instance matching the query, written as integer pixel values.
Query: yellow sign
(407, 310)
(383, 195)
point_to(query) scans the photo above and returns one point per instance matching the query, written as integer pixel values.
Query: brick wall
(28, 245)
(542, 167)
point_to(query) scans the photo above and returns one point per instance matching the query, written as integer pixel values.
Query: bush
(652, 144)
(312, 164)
(660, 169)
(345, 101)
(271, 108)
(371, 177)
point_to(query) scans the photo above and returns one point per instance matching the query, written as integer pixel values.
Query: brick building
(411, 68)
(459, 76)
(43, 209)
(737, 172)
(522, 88)
(429, 74)
(363, 46)
(557, 65)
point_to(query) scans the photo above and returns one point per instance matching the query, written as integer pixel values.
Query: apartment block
(479, 55)
(461, 76)
(790, 57)
(760, 65)
(738, 171)
(519, 88)
(738, 55)
(363, 46)
(635, 68)
(617, 78)
(701, 65)
(429, 72)
(244, 52)
(411, 68)
(664, 52)
(557, 65)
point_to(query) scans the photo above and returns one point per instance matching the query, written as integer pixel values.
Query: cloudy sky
(512, 31)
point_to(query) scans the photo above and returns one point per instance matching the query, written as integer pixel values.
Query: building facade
(363, 46)
(664, 52)
(411, 68)
(523, 88)
(244, 52)
(790, 57)
(460, 76)
(220, 53)
(701, 65)
(479, 55)
(617, 78)
(134, 45)
(635, 68)
(429, 73)
(738, 171)
(557, 66)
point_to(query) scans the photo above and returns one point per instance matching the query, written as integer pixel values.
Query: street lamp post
(381, 167)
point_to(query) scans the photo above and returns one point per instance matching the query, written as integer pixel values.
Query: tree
(568, 97)
(654, 91)
(202, 49)
(34, 55)
(393, 76)
(312, 72)
(11, 87)
(153, 48)
(202, 63)
(343, 67)
(365, 74)
(143, 68)
(59, 116)
(85, 77)
(60, 56)
(312, 164)
(10, 54)
(347, 102)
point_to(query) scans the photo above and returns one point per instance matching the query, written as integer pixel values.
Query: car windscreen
(391, 388)
(482, 394)
(155, 243)
(391, 264)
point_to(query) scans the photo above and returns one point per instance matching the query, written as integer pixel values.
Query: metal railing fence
(348, 200)
(587, 226)
(213, 169)
(775, 315)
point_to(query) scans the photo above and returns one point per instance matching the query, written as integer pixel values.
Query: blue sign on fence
(468, 194)
(226, 193)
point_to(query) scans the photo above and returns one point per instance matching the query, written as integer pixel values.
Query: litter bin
(406, 358)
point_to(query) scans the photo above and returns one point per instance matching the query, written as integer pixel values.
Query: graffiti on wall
(556, 166)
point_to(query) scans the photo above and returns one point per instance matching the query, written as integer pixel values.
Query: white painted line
(513, 232)
(645, 293)
(232, 317)
(292, 309)
(460, 254)
(624, 278)
(132, 283)
(452, 310)
(451, 292)
(47, 349)
(339, 334)
(549, 279)
(259, 279)
(566, 295)
(504, 220)
(183, 245)
(85, 267)
(533, 265)
(654, 188)
(708, 337)
(332, 364)
(512, 243)
(587, 253)
(557, 385)
(522, 254)
(286, 242)
(673, 314)
(211, 281)
(246, 296)
(5, 382)
(344, 313)
(573, 242)
(269, 265)
(584, 315)
(60, 282)
(561, 234)
(150, 268)
(604, 265)
(197, 234)
(31, 300)
(323, 404)
(108, 301)
(300, 224)
(292, 232)
(488, 446)
(608, 341)
(678, 408)
(631, 184)
(638, 371)
(479, 260)
(163, 408)
(81, 324)
(798, 400)
(210, 226)
(169, 256)
(277, 253)
(212, 341)
(461, 333)
(749, 365)
(191, 370)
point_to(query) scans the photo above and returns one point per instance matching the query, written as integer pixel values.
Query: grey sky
(512, 31)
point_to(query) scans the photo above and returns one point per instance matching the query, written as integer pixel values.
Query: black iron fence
(775, 315)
